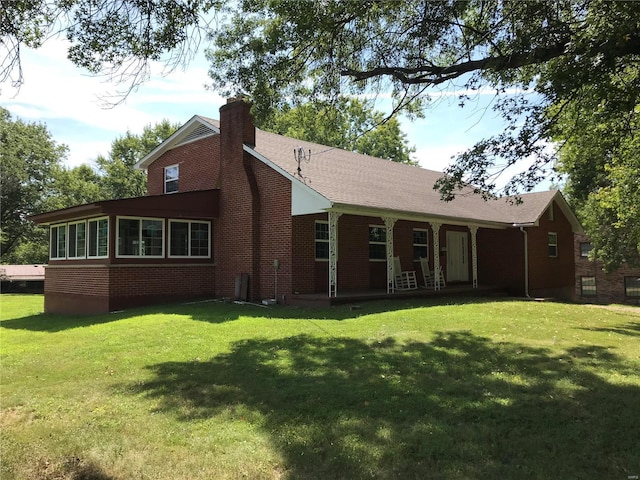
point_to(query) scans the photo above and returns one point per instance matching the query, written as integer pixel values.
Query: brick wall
(501, 259)
(237, 237)
(551, 276)
(609, 286)
(100, 289)
(199, 163)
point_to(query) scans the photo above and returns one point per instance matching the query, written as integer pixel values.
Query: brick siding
(609, 286)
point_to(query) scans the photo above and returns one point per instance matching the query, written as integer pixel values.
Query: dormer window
(171, 175)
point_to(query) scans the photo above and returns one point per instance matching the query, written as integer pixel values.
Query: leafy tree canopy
(33, 179)
(546, 60)
(29, 162)
(117, 38)
(549, 62)
(350, 124)
(118, 177)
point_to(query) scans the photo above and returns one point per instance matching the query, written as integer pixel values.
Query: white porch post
(436, 254)
(474, 254)
(333, 253)
(389, 223)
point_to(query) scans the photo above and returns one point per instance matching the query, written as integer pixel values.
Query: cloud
(70, 101)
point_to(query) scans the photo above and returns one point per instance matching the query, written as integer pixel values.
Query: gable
(197, 128)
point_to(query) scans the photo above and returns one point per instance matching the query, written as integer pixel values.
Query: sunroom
(116, 254)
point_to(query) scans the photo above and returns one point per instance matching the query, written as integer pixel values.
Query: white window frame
(425, 245)
(384, 229)
(97, 222)
(320, 240)
(189, 223)
(550, 244)
(140, 219)
(175, 179)
(73, 255)
(51, 228)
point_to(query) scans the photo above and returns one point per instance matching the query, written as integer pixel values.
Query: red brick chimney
(236, 122)
(239, 201)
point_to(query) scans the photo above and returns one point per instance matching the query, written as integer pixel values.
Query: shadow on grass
(460, 406)
(631, 329)
(219, 312)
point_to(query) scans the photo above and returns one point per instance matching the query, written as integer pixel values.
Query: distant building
(22, 278)
(594, 285)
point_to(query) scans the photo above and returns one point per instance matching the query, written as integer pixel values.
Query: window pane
(322, 250)
(377, 234)
(103, 237)
(92, 250)
(62, 241)
(585, 249)
(553, 244)
(199, 239)
(420, 251)
(588, 286)
(420, 237)
(179, 239)
(81, 238)
(377, 251)
(632, 286)
(72, 239)
(322, 231)
(171, 175)
(151, 238)
(128, 236)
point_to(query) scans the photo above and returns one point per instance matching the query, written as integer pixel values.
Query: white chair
(428, 276)
(403, 280)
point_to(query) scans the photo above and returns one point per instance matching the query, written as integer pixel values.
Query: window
(77, 240)
(585, 248)
(98, 246)
(140, 237)
(171, 178)
(550, 212)
(588, 286)
(420, 244)
(553, 244)
(632, 287)
(322, 240)
(189, 239)
(377, 242)
(58, 241)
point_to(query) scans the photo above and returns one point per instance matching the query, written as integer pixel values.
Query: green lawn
(479, 389)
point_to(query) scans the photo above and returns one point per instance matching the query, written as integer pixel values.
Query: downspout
(526, 262)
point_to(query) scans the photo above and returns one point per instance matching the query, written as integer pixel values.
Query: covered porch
(446, 249)
(353, 297)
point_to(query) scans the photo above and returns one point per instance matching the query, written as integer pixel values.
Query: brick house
(233, 211)
(594, 285)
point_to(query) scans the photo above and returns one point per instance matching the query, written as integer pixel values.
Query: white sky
(68, 101)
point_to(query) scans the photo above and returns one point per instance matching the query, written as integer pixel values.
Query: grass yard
(492, 389)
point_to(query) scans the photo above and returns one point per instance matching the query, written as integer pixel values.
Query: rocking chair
(428, 276)
(403, 280)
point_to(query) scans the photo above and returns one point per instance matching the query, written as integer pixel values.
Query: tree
(542, 59)
(351, 124)
(29, 162)
(117, 38)
(118, 177)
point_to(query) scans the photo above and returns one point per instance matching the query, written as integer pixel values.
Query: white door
(457, 257)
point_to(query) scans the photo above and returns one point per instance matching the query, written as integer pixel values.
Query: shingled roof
(353, 181)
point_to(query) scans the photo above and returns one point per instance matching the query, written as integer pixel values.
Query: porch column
(436, 254)
(389, 223)
(333, 253)
(474, 254)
